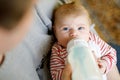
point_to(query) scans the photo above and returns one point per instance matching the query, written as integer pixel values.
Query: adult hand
(67, 72)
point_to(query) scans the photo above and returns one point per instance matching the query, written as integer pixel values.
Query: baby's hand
(102, 66)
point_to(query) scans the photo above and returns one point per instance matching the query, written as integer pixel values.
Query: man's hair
(12, 11)
(73, 8)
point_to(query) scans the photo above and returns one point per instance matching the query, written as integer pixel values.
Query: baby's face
(72, 27)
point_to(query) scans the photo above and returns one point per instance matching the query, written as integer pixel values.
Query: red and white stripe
(59, 54)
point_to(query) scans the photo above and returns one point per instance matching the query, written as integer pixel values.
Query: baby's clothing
(102, 50)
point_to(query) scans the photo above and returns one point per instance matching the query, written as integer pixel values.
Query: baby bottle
(84, 66)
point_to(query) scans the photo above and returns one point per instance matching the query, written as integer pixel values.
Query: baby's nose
(73, 33)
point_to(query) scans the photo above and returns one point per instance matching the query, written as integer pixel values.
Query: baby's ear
(53, 27)
(92, 29)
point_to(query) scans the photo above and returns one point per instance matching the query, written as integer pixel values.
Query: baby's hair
(12, 11)
(72, 8)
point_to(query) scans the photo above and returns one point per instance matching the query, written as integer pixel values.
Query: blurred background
(106, 17)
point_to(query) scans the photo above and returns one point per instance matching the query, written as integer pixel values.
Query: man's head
(15, 17)
(12, 11)
(71, 21)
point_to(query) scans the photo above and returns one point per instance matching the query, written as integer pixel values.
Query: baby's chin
(63, 45)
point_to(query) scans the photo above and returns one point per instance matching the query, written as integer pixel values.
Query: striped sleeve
(107, 52)
(57, 62)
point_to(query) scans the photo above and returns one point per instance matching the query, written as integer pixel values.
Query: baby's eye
(65, 28)
(80, 28)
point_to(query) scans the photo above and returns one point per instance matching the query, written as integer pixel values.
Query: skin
(10, 38)
(67, 28)
(72, 27)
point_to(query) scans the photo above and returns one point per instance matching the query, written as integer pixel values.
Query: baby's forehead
(68, 17)
(71, 14)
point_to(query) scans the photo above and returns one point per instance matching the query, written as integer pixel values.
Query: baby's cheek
(62, 41)
(86, 36)
(65, 42)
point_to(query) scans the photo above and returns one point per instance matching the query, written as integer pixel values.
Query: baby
(72, 21)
